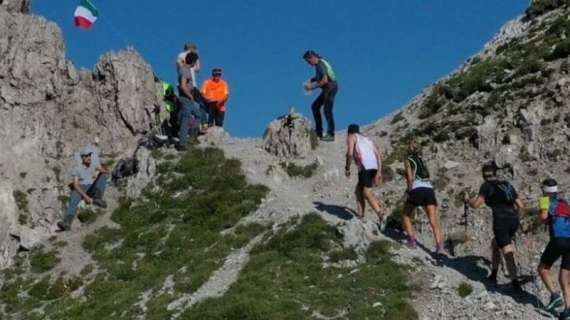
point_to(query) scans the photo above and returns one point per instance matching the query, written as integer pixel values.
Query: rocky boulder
(289, 137)
(21, 6)
(48, 109)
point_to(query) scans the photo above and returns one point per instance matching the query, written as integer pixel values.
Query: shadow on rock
(340, 212)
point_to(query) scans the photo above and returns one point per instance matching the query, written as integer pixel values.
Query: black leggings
(326, 99)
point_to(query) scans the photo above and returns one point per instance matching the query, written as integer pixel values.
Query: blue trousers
(188, 108)
(75, 198)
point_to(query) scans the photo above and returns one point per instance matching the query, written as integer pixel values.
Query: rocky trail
(330, 194)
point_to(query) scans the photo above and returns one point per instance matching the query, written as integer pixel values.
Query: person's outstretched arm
(349, 154)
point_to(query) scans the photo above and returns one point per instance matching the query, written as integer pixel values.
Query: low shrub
(464, 289)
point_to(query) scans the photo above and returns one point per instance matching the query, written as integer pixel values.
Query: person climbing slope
(504, 202)
(368, 158)
(216, 94)
(89, 179)
(325, 79)
(555, 212)
(420, 193)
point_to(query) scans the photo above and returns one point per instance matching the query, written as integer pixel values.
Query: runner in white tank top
(364, 153)
(368, 160)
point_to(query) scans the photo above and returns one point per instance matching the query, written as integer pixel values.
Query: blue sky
(383, 51)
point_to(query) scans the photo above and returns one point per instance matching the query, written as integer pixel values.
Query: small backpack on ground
(419, 168)
(125, 168)
(559, 214)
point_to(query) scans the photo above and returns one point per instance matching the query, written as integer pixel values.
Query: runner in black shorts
(555, 212)
(420, 194)
(503, 200)
(366, 178)
(369, 161)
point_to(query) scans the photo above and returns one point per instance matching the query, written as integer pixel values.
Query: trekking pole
(465, 217)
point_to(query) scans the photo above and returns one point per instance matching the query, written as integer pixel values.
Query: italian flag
(85, 14)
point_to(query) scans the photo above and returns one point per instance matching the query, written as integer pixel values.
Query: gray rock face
(147, 170)
(8, 219)
(48, 110)
(288, 137)
(21, 6)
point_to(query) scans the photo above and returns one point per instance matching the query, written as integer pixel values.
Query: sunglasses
(217, 74)
(86, 155)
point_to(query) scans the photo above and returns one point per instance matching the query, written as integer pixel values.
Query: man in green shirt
(325, 79)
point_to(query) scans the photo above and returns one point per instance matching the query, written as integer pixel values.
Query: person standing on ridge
(188, 105)
(325, 79)
(504, 201)
(88, 183)
(216, 93)
(181, 60)
(420, 193)
(556, 212)
(369, 161)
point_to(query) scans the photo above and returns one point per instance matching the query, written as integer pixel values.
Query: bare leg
(509, 254)
(431, 211)
(544, 272)
(565, 284)
(407, 220)
(371, 198)
(495, 258)
(360, 202)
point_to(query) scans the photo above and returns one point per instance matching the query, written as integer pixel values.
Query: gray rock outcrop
(48, 109)
(18, 6)
(288, 136)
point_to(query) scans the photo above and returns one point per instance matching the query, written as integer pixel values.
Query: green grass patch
(159, 237)
(295, 171)
(42, 261)
(397, 118)
(21, 199)
(540, 7)
(285, 280)
(87, 215)
(464, 289)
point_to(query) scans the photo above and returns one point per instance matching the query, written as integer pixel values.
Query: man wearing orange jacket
(216, 93)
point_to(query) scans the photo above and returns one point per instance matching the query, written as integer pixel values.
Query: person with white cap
(555, 212)
(88, 184)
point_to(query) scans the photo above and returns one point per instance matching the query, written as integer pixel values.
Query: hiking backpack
(125, 168)
(503, 193)
(559, 214)
(419, 168)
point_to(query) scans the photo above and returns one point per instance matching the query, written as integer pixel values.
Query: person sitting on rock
(504, 202)
(556, 212)
(369, 161)
(216, 94)
(420, 193)
(325, 79)
(89, 179)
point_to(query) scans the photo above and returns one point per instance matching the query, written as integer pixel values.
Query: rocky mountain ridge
(508, 103)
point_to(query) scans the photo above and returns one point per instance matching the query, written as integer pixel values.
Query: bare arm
(474, 203)
(77, 187)
(409, 174)
(542, 216)
(349, 154)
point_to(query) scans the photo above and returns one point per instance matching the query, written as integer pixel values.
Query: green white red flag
(86, 14)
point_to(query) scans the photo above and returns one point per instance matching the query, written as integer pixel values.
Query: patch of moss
(291, 265)
(21, 200)
(464, 289)
(42, 261)
(295, 171)
(397, 118)
(342, 254)
(87, 215)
